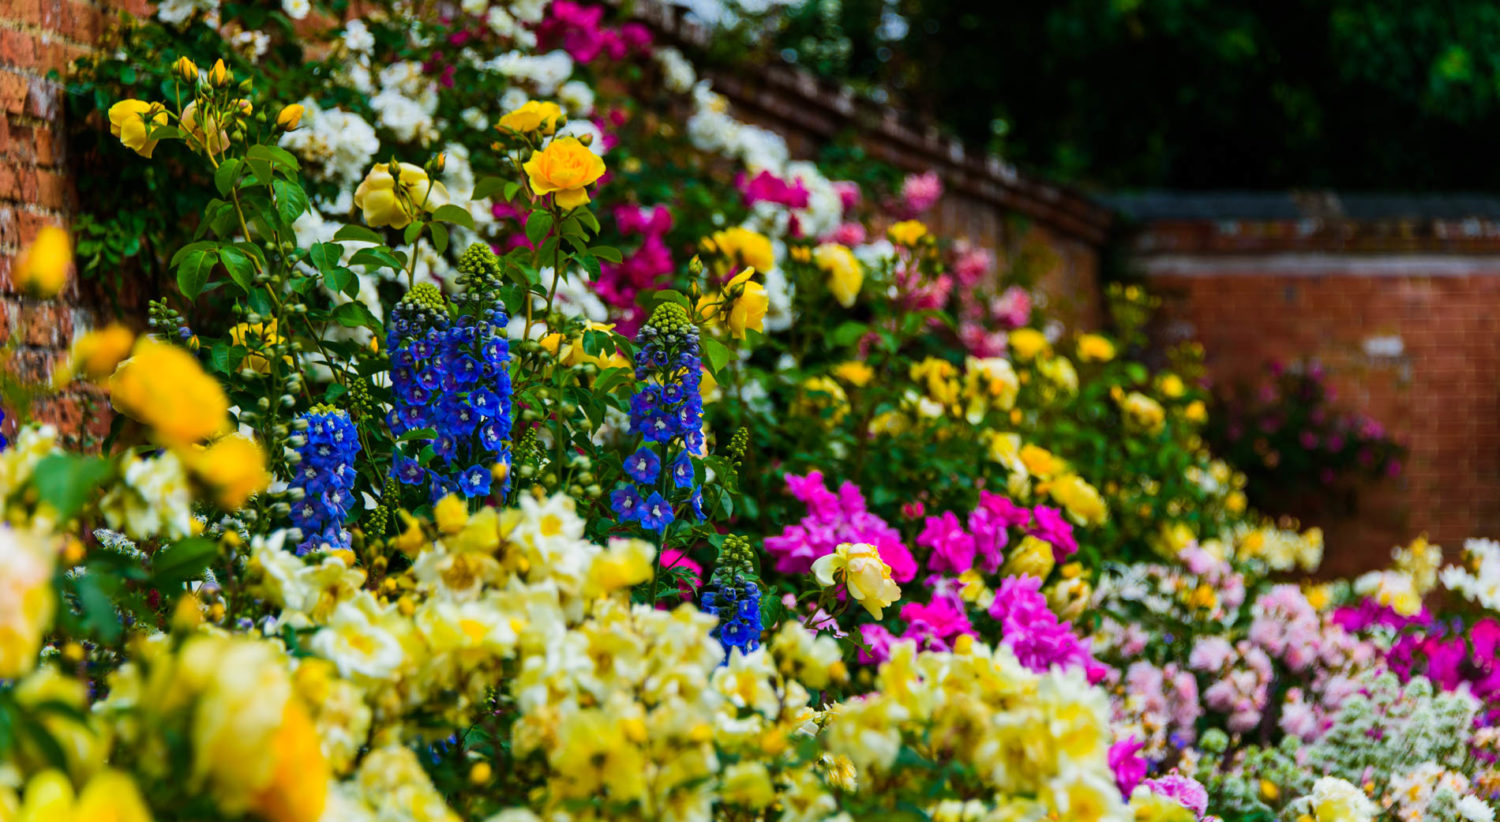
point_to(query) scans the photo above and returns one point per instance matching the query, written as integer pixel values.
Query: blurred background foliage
(1350, 94)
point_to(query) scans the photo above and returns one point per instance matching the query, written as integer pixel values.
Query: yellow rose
(26, 599)
(1095, 348)
(1196, 412)
(109, 795)
(164, 387)
(235, 467)
(567, 167)
(394, 200)
(128, 121)
(855, 373)
(1081, 500)
(742, 248)
(907, 233)
(220, 75)
(845, 274)
(1144, 411)
(533, 118)
(1171, 386)
(1032, 558)
(1039, 461)
(42, 270)
(256, 336)
(97, 353)
(863, 572)
(1026, 343)
(290, 117)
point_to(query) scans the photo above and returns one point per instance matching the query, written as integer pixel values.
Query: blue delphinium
(325, 475)
(4, 443)
(667, 412)
(733, 595)
(450, 373)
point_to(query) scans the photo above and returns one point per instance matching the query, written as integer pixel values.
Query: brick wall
(1404, 318)
(39, 38)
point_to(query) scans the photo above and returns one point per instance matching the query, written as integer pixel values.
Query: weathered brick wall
(1405, 320)
(38, 40)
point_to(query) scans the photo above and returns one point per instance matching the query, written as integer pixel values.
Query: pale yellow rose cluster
(1038, 743)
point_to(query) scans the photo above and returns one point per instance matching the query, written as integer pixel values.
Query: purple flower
(656, 513)
(643, 466)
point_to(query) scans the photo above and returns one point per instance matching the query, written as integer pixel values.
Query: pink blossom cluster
(920, 192)
(1184, 790)
(954, 549)
(578, 30)
(916, 291)
(1033, 632)
(766, 187)
(1242, 675)
(983, 323)
(1162, 700)
(933, 627)
(833, 519)
(643, 269)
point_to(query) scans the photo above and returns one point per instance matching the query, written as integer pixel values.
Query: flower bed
(526, 438)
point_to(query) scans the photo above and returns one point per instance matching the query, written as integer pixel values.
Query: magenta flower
(952, 547)
(920, 192)
(1033, 633)
(1049, 526)
(1184, 790)
(935, 625)
(1126, 761)
(833, 519)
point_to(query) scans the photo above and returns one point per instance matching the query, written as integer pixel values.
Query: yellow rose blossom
(1095, 348)
(128, 121)
(864, 573)
(395, 199)
(742, 248)
(566, 166)
(822, 397)
(42, 269)
(290, 117)
(164, 387)
(96, 354)
(845, 274)
(1039, 461)
(533, 117)
(1081, 500)
(27, 602)
(235, 467)
(220, 75)
(939, 378)
(1144, 412)
(1033, 558)
(907, 232)
(741, 305)
(854, 373)
(185, 69)
(1171, 386)
(1196, 412)
(1027, 343)
(254, 336)
(109, 796)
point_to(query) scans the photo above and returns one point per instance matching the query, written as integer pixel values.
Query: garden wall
(1398, 300)
(989, 202)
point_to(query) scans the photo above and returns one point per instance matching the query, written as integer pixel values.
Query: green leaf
(718, 354)
(591, 265)
(376, 258)
(226, 175)
(537, 226)
(486, 188)
(847, 333)
(189, 249)
(511, 189)
(439, 236)
(275, 155)
(339, 279)
(193, 271)
(587, 218)
(291, 200)
(456, 214)
(182, 561)
(412, 232)
(325, 256)
(606, 253)
(355, 315)
(65, 481)
(418, 434)
(241, 267)
(358, 233)
(98, 609)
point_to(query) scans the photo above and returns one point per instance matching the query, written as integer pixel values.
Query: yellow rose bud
(220, 75)
(42, 270)
(290, 117)
(185, 69)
